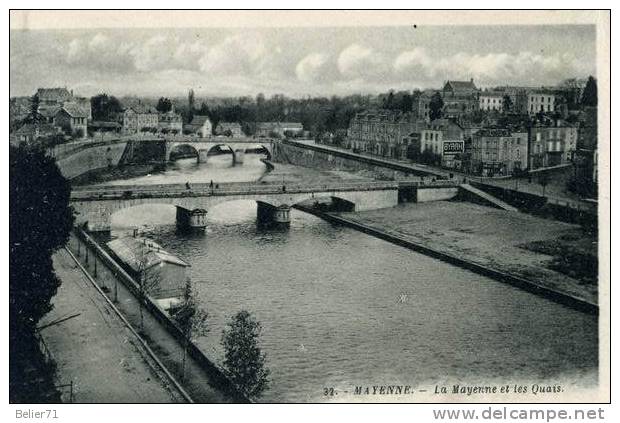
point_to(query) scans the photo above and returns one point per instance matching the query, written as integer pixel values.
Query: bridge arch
(221, 147)
(326, 202)
(258, 148)
(141, 215)
(182, 151)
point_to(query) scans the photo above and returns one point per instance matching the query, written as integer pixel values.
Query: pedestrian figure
(211, 184)
(187, 185)
(283, 188)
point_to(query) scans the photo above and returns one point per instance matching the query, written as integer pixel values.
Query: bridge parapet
(203, 189)
(95, 205)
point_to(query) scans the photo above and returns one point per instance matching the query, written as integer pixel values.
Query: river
(340, 308)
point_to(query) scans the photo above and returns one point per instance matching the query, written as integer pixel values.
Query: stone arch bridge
(95, 205)
(202, 146)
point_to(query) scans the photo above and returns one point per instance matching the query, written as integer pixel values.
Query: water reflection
(330, 300)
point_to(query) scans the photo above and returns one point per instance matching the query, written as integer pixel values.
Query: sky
(297, 62)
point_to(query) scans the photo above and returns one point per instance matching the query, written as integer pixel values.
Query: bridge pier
(191, 220)
(202, 156)
(273, 216)
(238, 157)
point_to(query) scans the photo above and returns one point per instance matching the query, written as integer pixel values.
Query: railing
(215, 372)
(50, 360)
(431, 183)
(230, 188)
(370, 158)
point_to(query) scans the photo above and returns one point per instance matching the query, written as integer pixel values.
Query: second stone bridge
(95, 205)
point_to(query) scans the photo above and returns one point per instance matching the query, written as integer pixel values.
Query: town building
(421, 104)
(540, 101)
(33, 132)
(139, 118)
(518, 98)
(459, 98)
(268, 129)
(491, 101)
(84, 104)
(19, 108)
(52, 99)
(452, 143)
(425, 138)
(231, 129)
(498, 151)
(164, 273)
(382, 132)
(72, 119)
(170, 122)
(552, 145)
(200, 125)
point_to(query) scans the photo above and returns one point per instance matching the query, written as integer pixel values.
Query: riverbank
(502, 241)
(94, 349)
(200, 380)
(294, 174)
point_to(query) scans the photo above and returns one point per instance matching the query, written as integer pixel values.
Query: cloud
(99, 52)
(290, 61)
(357, 61)
(492, 68)
(159, 52)
(312, 68)
(237, 54)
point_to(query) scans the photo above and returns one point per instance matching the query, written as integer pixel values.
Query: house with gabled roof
(72, 119)
(459, 88)
(146, 260)
(200, 125)
(140, 117)
(32, 132)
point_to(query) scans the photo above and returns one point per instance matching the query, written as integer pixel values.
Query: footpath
(94, 350)
(201, 386)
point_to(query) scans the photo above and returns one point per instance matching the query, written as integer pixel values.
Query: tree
(388, 102)
(105, 108)
(191, 105)
(507, 104)
(40, 220)
(164, 105)
(148, 276)
(260, 104)
(78, 133)
(590, 93)
(543, 180)
(435, 106)
(244, 363)
(406, 103)
(191, 99)
(34, 109)
(191, 320)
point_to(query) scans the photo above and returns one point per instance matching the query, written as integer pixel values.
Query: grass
(569, 257)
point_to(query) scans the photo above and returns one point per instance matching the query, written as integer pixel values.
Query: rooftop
(53, 93)
(142, 253)
(74, 110)
(461, 85)
(199, 120)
